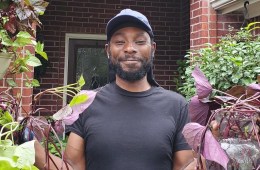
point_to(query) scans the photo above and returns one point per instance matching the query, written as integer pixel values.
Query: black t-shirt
(132, 131)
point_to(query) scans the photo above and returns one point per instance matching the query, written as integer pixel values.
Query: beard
(132, 75)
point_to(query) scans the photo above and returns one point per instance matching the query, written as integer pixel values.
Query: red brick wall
(168, 18)
(207, 26)
(20, 90)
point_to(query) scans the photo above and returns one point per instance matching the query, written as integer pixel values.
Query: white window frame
(227, 6)
(69, 36)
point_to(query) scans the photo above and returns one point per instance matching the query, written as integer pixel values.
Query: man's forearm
(40, 159)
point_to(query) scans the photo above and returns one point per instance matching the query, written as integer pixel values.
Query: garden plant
(18, 22)
(234, 60)
(226, 92)
(17, 137)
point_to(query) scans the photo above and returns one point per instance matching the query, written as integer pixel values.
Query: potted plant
(18, 22)
(234, 60)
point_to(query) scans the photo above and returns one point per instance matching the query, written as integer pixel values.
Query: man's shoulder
(169, 94)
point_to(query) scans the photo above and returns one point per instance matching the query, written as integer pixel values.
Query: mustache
(130, 58)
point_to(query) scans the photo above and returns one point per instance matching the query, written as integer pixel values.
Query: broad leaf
(79, 108)
(62, 113)
(203, 87)
(43, 54)
(10, 25)
(24, 34)
(26, 154)
(58, 127)
(35, 83)
(33, 61)
(212, 150)
(257, 69)
(38, 6)
(20, 42)
(78, 99)
(192, 132)
(237, 91)
(11, 82)
(5, 118)
(13, 157)
(254, 87)
(23, 13)
(39, 49)
(198, 110)
(81, 81)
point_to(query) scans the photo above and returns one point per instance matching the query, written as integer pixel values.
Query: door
(87, 57)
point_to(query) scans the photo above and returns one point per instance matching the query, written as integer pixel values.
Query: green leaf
(43, 54)
(27, 84)
(6, 118)
(39, 49)
(81, 81)
(78, 99)
(39, 46)
(25, 154)
(33, 61)
(11, 83)
(35, 83)
(23, 69)
(39, 6)
(24, 34)
(20, 42)
(257, 69)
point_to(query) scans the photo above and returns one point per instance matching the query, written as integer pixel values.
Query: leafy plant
(17, 31)
(238, 144)
(17, 149)
(232, 61)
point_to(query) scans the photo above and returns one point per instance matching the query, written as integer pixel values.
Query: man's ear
(107, 50)
(153, 48)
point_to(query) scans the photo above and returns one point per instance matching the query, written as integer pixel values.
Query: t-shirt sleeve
(77, 127)
(180, 142)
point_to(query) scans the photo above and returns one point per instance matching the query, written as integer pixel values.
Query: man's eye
(120, 42)
(140, 42)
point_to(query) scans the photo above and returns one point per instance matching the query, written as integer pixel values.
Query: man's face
(130, 50)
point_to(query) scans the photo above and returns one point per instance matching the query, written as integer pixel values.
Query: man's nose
(130, 47)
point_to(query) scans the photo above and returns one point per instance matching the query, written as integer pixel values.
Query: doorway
(86, 56)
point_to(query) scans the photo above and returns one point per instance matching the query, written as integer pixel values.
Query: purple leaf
(224, 99)
(198, 110)
(58, 127)
(62, 113)
(192, 132)
(213, 151)
(79, 108)
(203, 87)
(254, 87)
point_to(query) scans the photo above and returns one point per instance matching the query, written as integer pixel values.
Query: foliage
(238, 121)
(182, 65)
(232, 61)
(17, 22)
(15, 137)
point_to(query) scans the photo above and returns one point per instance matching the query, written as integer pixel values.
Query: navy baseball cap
(128, 18)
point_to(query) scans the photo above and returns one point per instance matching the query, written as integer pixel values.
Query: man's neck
(136, 86)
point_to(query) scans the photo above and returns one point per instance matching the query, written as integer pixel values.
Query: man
(133, 124)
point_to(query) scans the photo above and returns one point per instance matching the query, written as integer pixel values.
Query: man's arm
(74, 155)
(75, 152)
(185, 160)
(181, 159)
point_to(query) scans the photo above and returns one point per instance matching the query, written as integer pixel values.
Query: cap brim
(124, 19)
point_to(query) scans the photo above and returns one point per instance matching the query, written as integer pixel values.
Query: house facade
(74, 36)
